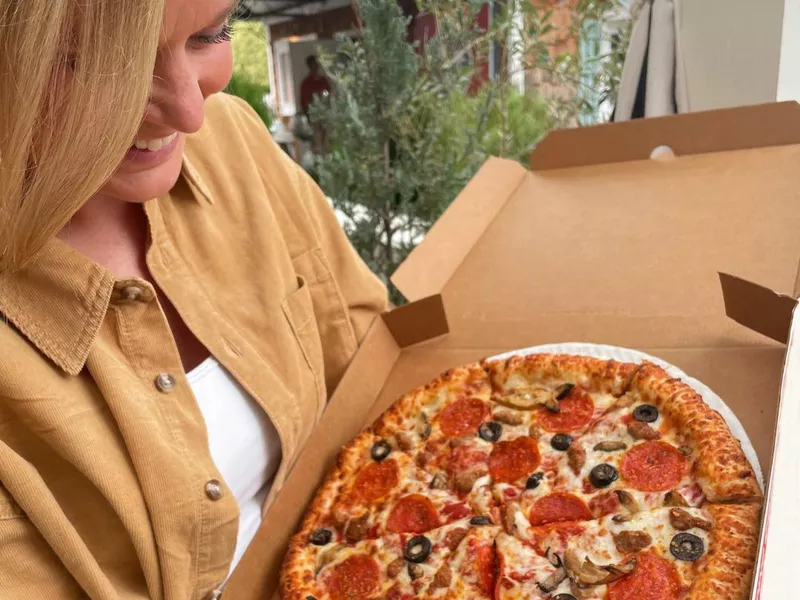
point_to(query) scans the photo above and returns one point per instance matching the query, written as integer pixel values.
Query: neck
(112, 233)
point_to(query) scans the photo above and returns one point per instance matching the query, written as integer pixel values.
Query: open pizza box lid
(600, 243)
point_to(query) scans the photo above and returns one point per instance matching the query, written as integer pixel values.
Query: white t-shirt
(243, 442)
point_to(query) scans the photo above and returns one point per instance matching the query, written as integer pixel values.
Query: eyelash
(218, 38)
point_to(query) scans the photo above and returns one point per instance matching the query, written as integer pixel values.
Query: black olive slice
(563, 390)
(561, 441)
(310, 597)
(564, 597)
(603, 475)
(380, 450)
(480, 520)
(320, 537)
(534, 481)
(490, 431)
(417, 549)
(645, 413)
(687, 546)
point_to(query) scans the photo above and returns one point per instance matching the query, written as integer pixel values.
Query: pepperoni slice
(457, 511)
(464, 457)
(512, 460)
(356, 578)
(463, 416)
(558, 507)
(486, 567)
(653, 466)
(575, 411)
(376, 480)
(604, 504)
(654, 578)
(413, 514)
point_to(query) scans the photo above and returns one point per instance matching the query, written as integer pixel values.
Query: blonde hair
(75, 79)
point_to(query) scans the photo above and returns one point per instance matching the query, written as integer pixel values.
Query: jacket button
(165, 382)
(132, 293)
(214, 490)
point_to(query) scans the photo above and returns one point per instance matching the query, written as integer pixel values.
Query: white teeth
(153, 145)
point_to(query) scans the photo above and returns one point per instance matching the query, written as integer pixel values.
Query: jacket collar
(58, 302)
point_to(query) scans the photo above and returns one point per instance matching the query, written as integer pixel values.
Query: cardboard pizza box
(598, 242)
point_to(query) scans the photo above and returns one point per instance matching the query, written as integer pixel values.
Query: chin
(139, 182)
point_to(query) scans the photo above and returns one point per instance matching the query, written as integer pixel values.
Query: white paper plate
(634, 356)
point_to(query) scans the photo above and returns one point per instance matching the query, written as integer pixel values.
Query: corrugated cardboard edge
(739, 128)
(776, 567)
(757, 307)
(431, 264)
(257, 575)
(774, 315)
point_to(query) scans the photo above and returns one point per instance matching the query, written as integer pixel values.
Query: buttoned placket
(156, 359)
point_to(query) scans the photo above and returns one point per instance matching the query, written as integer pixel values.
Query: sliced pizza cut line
(395, 566)
(374, 490)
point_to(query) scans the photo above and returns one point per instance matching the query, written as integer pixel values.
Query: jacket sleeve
(29, 563)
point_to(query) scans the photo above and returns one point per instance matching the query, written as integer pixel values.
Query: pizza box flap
(757, 307)
(758, 126)
(625, 252)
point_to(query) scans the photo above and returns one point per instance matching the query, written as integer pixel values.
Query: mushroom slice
(530, 398)
(328, 556)
(554, 558)
(424, 427)
(587, 573)
(553, 580)
(627, 500)
(674, 498)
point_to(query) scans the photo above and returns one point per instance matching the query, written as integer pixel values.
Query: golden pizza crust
(721, 467)
(726, 572)
(595, 375)
(403, 415)
(298, 571)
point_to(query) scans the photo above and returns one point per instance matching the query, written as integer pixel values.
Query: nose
(177, 99)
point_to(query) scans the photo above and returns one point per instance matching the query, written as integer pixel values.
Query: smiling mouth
(154, 145)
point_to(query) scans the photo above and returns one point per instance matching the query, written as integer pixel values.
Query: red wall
(424, 28)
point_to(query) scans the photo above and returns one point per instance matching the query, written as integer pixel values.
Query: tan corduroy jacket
(107, 487)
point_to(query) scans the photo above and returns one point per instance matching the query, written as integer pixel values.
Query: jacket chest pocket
(298, 309)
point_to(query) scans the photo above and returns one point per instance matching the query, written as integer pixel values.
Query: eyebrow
(228, 12)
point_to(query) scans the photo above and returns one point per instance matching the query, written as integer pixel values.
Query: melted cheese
(597, 543)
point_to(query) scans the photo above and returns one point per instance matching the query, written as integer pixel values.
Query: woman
(177, 301)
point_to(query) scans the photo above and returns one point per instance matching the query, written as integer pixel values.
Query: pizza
(537, 477)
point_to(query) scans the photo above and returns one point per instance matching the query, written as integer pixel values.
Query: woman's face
(194, 61)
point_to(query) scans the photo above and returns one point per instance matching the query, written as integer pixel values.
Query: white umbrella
(653, 80)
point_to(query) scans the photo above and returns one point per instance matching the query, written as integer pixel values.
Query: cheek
(217, 70)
